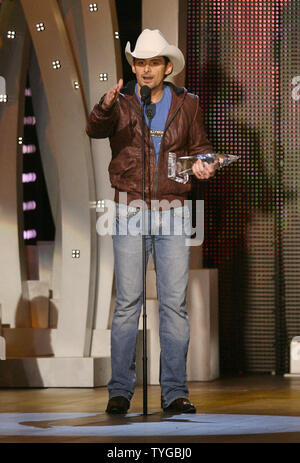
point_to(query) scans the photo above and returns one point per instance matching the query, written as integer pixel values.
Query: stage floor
(243, 409)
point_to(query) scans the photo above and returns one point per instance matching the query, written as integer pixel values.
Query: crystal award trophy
(180, 167)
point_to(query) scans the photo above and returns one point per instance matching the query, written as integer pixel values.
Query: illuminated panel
(290, 130)
(236, 62)
(37, 211)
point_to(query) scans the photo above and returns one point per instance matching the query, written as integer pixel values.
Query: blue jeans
(171, 260)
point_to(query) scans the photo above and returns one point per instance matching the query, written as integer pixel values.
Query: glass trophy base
(180, 167)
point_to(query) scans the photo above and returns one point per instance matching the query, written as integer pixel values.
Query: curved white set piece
(57, 327)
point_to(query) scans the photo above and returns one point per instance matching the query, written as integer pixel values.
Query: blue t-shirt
(158, 122)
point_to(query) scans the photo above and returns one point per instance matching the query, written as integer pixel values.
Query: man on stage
(174, 125)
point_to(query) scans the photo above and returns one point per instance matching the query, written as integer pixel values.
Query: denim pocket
(127, 220)
(182, 212)
(126, 212)
(182, 222)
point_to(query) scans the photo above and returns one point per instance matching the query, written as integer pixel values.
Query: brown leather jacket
(184, 134)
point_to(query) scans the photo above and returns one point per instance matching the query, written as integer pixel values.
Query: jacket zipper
(156, 164)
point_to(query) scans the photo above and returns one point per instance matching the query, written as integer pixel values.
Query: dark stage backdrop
(243, 62)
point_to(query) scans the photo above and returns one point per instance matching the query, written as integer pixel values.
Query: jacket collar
(178, 96)
(129, 88)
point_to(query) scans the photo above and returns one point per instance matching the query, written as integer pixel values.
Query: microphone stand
(146, 97)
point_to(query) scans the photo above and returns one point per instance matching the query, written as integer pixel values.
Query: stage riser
(54, 372)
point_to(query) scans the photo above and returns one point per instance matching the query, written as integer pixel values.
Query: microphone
(146, 94)
(150, 111)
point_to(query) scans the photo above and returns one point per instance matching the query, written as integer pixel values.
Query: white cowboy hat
(152, 43)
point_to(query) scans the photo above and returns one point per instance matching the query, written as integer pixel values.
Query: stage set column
(103, 70)
(72, 338)
(14, 52)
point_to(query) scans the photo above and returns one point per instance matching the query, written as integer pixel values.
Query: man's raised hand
(112, 95)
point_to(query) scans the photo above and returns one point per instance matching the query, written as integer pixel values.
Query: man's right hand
(112, 95)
